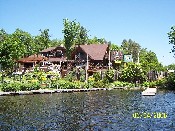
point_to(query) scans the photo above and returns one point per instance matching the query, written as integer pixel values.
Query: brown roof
(56, 59)
(32, 58)
(52, 48)
(48, 49)
(95, 51)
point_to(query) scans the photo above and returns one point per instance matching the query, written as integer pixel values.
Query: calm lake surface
(98, 111)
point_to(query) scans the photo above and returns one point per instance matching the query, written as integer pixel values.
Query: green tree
(70, 31)
(149, 61)
(132, 73)
(131, 47)
(42, 41)
(82, 37)
(115, 47)
(96, 40)
(74, 34)
(56, 42)
(23, 43)
(5, 50)
(170, 67)
(14, 46)
(171, 36)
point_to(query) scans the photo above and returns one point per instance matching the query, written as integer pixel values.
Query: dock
(49, 91)
(149, 92)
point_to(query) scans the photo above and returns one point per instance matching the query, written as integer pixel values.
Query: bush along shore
(39, 82)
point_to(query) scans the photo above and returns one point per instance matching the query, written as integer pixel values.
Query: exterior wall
(81, 57)
(58, 52)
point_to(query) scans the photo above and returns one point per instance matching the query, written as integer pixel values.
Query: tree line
(21, 44)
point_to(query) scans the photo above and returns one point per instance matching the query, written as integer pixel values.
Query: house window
(59, 54)
(80, 56)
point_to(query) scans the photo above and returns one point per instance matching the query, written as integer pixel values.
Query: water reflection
(101, 110)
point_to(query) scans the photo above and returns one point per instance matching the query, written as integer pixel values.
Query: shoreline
(50, 91)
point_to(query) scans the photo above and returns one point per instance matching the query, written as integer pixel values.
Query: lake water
(99, 111)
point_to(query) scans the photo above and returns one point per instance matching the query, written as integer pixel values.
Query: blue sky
(146, 22)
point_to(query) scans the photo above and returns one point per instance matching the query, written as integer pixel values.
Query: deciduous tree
(131, 47)
(171, 36)
(74, 34)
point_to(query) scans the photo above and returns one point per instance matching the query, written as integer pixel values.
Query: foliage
(161, 82)
(99, 84)
(170, 67)
(109, 76)
(97, 76)
(7, 50)
(26, 86)
(70, 76)
(145, 84)
(171, 36)
(90, 82)
(82, 36)
(149, 61)
(123, 84)
(64, 84)
(170, 81)
(74, 34)
(82, 75)
(13, 86)
(1, 85)
(131, 47)
(56, 42)
(20, 44)
(17, 86)
(132, 73)
(42, 41)
(96, 40)
(115, 47)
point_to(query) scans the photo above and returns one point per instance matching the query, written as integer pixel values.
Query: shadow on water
(100, 110)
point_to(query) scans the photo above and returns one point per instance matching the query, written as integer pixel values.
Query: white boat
(149, 92)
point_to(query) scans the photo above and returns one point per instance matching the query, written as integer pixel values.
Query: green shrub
(118, 84)
(123, 84)
(82, 78)
(161, 82)
(64, 84)
(86, 86)
(145, 84)
(132, 73)
(1, 85)
(35, 86)
(105, 80)
(83, 75)
(153, 84)
(99, 84)
(25, 86)
(13, 86)
(109, 75)
(61, 84)
(170, 82)
(70, 76)
(97, 76)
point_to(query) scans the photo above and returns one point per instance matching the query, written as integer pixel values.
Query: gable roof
(57, 59)
(33, 58)
(48, 49)
(52, 48)
(95, 51)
